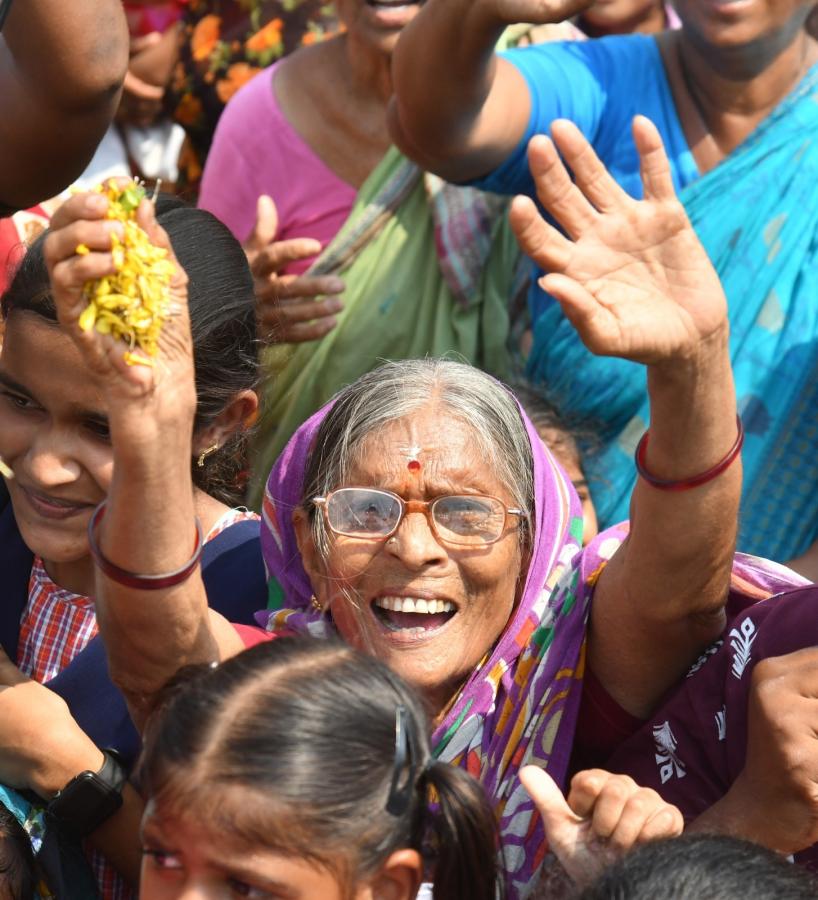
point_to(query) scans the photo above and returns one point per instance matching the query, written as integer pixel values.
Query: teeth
(415, 605)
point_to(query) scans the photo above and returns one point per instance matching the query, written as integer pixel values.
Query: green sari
(430, 269)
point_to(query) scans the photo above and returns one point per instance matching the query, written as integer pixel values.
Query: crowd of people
(459, 541)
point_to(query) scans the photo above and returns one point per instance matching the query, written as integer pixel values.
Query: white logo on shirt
(742, 643)
(666, 757)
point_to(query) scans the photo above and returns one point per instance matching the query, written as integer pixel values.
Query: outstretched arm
(148, 634)
(636, 283)
(61, 69)
(459, 110)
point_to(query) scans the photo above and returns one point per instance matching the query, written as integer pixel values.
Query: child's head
(306, 765)
(17, 873)
(53, 422)
(559, 440)
(694, 867)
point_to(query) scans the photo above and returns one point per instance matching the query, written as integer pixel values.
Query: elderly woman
(733, 95)
(420, 517)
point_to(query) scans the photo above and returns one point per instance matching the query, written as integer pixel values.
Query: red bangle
(132, 579)
(697, 480)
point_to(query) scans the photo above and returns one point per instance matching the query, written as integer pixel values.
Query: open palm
(630, 275)
(537, 12)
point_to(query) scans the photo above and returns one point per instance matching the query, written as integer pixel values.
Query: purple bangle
(685, 484)
(133, 579)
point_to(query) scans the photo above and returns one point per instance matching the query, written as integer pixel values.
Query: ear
(239, 413)
(399, 878)
(311, 558)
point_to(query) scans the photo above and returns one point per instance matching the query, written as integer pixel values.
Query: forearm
(61, 69)
(481, 105)
(662, 596)
(149, 528)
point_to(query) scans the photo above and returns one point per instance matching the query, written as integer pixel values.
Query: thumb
(266, 227)
(9, 673)
(560, 822)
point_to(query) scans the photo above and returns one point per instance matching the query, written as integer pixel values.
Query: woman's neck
(78, 576)
(367, 70)
(733, 91)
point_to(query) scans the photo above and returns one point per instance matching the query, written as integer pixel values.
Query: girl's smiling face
(54, 436)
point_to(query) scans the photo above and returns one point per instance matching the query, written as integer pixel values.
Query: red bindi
(413, 466)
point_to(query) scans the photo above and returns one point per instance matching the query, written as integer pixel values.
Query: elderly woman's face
(429, 609)
(733, 23)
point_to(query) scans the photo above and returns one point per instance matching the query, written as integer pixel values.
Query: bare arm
(61, 69)
(636, 283)
(481, 104)
(148, 526)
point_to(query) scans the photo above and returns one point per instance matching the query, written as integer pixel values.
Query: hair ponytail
(464, 834)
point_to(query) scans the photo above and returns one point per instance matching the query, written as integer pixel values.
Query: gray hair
(394, 391)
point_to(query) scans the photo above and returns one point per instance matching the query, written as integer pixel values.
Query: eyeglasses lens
(469, 520)
(361, 513)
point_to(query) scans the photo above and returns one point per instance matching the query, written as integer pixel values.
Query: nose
(50, 461)
(415, 544)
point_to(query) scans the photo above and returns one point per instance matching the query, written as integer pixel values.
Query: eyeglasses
(470, 520)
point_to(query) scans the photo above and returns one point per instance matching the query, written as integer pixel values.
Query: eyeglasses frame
(422, 506)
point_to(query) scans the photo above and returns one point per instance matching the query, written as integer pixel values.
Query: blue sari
(757, 216)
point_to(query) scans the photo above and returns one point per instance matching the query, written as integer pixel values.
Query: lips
(50, 507)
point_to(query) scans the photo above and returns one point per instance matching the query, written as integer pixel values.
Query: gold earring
(315, 603)
(204, 454)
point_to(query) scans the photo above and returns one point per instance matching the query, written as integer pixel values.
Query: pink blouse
(256, 151)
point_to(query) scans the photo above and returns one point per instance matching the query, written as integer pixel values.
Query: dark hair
(702, 867)
(297, 738)
(222, 321)
(17, 866)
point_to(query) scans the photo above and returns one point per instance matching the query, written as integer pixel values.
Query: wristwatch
(90, 797)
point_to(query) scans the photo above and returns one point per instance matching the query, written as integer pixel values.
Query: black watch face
(85, 803)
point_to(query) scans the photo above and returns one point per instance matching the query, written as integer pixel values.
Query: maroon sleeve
(601, 727)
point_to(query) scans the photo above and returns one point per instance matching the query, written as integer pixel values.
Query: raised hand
(602, 818)
(288, 308)
(629, 274)
(81, 220)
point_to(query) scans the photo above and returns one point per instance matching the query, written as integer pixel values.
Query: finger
(142, 90)
(266, 225)
(95, 235)
(278, 255)
(666, 822)
(297, 286)
(9, 673)
(540, 241)
(591, 176)
(638, 810)
(302, 332)
(585, 789)
(145, 41)
(655, 168)
(593, 323)
(278, 314)
(68, 279)
(559, 821)
(610, 805)
(557, 193)
(88, 205)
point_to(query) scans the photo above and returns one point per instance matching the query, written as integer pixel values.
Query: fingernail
(335, 306)
(336, 286)
(96, 203)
